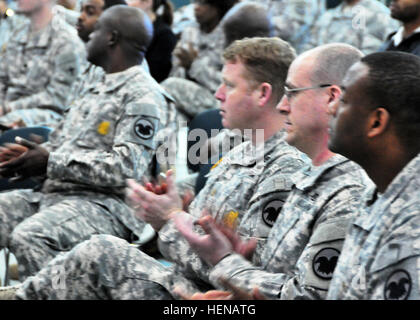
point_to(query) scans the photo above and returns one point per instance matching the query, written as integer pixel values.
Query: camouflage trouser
(32, 117)
(36, 227)
(191, 98)
(104, 267)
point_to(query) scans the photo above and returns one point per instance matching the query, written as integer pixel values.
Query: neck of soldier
(382, 167)
(118, 62)
(264, 128)
(317, 149)
(41, 18)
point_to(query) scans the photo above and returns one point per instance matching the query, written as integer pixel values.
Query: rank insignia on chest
(216, 164)
(103, 127)
(230, 219)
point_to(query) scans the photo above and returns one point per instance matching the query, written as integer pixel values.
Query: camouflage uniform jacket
(8, 26)
(240, 194)
(365, 26)
(90, 75)
(38, 71)
(110, 134)
(207, 67)
(381, 254)
(293, 19)
(304, 243)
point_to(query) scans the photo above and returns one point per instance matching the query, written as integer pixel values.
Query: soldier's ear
(265, 93)
(378, 122)
(334, 93)
(114, 38)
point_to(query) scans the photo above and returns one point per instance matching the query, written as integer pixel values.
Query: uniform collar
(42, 38)
(308, 176)
(398, 37)
(373, 200)
(112, 81)
(248, 154)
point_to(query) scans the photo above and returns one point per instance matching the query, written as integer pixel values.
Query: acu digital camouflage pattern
(306, 239)
(381, 254)
(193, 89)
(37, 72)
(235, 192)
(293, 19)
(108, 136)
(365, 25)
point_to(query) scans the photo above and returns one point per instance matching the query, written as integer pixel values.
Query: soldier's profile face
(237, 98)
(306, 111)
(349, 114)
(97, 45)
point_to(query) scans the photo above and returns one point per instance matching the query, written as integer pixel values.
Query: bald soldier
(109, 135)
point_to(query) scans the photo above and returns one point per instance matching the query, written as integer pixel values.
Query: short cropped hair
(393, 82)
(265, 60)
(332, 62)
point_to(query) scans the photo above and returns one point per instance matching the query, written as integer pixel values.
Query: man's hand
(29, 161)
(24, 159)
(186, 56)
(155, 209)
(211, 247)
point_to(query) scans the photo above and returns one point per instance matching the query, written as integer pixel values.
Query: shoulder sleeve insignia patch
(324, 263)
(397, 286)
(271, 211)
(144, 128)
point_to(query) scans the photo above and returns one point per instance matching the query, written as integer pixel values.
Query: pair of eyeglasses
(290, 93)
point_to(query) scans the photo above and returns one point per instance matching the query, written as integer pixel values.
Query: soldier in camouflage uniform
(38, 67)
(364, 24)
(109, 135)
(197, 62)
(306, 240)
(90, 12)
(293, 19)
(245, 189)
(381, 254)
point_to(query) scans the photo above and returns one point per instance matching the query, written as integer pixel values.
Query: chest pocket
(98, 128)
(37, 67)
(230, 188)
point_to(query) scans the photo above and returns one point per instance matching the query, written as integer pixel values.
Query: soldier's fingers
(138, 190)
(36, 138)
(218, 295)
(26, 143)
(185, 227)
